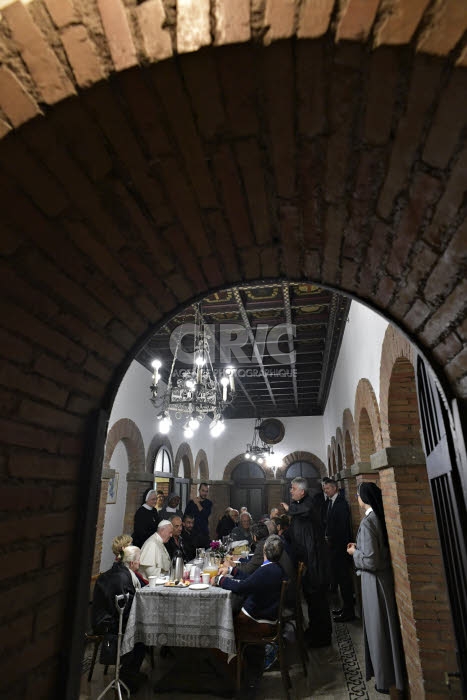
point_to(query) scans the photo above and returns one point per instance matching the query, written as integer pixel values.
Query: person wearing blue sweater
(262, 590)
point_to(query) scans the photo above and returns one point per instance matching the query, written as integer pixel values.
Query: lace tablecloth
(181, 617)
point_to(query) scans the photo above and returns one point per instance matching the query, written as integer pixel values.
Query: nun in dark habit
(383, 644)
(146, 519)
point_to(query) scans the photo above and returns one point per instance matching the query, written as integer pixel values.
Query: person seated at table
(146, 519)
(227, 523)
(175, 544)
(260, 592)
(120, 579)
(242, 570)
(119, 543)
(155, 560)
(171, 507)
(190, 538)
(243, 530)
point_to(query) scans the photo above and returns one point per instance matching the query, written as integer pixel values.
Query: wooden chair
(296, 616)
(95, 639)
(276, 637)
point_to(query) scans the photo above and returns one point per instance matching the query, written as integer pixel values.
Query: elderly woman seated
(121, 578)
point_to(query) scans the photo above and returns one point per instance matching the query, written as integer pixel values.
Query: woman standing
(383, 645)
(146, 519)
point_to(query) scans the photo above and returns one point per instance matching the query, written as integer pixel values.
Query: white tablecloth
(181, 617)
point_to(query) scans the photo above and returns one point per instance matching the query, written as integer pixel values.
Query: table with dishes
(198, 615)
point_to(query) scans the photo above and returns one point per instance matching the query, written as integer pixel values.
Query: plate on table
(199, 586)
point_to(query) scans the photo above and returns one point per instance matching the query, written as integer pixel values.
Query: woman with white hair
(122, 578)
(146, 518)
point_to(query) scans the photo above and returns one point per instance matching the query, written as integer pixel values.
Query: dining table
(176, 616)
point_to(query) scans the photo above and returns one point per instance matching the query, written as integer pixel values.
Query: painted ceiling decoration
(284, 341)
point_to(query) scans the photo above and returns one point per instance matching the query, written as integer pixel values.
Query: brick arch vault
(214, 145)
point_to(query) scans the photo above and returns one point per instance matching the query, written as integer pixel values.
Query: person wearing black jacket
(338, 534)
(306, 537)
(146, 519)
(119, 580)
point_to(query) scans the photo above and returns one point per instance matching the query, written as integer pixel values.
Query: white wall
(303, 433)
(359, 357)
(114, 512)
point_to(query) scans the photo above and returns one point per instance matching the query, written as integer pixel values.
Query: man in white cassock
(155, 560)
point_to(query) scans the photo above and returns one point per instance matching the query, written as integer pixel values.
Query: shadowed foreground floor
(334, 673)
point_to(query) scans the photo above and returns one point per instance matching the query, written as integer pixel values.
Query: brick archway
(128, 432)
(367, 421)
(348, 427)
(103, 181)
(184, 455)
(201, 466)
(400, 422)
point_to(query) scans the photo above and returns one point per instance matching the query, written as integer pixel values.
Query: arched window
(306, 470)
(248, 488)
(163, 476)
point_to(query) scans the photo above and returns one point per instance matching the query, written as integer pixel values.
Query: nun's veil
(372, 495)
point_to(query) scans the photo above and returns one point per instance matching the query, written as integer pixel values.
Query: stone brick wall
(273, 153)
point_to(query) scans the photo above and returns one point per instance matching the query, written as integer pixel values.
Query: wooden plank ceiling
(278, 372)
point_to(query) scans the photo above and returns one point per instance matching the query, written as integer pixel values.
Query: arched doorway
(93, 204)
(248, 489)
(163, 471)
(306, 470)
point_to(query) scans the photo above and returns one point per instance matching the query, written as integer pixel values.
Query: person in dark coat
(120, 579)
(338, 534)
(171, 507)
(383, 644)
(189, 537)
(200, 509)
(175, 544)
(146, 519)
(306, 537)
(227, 523)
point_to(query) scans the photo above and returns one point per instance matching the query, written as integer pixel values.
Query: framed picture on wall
(112, 489)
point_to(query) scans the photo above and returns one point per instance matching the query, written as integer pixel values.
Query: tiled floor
(334, 673)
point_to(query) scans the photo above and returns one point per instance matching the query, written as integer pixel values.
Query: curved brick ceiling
(277, 139)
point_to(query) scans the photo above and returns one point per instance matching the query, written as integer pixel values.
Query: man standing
(200, 510)
(338, 534)
(307, 545)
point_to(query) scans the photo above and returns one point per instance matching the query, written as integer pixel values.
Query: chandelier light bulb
(157, 364)
(165, 425)
(193, 423)
(200, 360)
(190, 384)
(224, 381)
(260, 460)
(253, 458)
(247, 455)
(188, 433)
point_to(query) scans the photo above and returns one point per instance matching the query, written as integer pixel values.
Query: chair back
(281, 616)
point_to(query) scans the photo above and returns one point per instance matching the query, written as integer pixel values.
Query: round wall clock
(271, 431)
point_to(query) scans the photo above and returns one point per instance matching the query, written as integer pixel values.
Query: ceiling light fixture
(195, 391)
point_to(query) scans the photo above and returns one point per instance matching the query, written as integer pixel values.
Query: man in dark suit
(338, 533)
